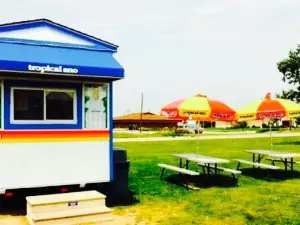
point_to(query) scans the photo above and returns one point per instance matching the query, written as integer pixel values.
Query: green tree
(290, 69)
(289, 94)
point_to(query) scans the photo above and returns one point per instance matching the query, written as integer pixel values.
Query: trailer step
(67, 208)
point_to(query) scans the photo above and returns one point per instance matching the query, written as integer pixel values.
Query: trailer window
(43, 105)
(28, 104)
(64, 101)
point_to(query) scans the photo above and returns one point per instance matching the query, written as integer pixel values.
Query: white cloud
(210, 9)
(289, 3)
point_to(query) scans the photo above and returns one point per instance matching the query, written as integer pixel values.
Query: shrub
(181, 131)
(165, 129)
(146, 129)
(263, 130)
(243, 124)
(155, 129)
(239, 125)
(170, 134)
(297, 121)
(175, 132)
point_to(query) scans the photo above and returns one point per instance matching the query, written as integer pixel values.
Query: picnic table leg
(208, 168)
(253, 159)
(285, 164)
(187, 164)
(203, 169)
(187, 182)
(216, 170)
(162, 173)
(180, 162)
(292, 164)
(238, 166)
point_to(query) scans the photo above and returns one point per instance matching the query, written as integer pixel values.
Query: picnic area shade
(269, 108)
(200, 108)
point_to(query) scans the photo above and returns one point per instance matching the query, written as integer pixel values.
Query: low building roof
(145, 116)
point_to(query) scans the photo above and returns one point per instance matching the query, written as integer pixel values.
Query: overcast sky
(226, 49)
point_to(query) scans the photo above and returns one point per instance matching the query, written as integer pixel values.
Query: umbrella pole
(198, 136)
(271, 142)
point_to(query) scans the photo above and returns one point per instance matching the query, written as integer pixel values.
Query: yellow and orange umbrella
(269, 108)
(200, 108)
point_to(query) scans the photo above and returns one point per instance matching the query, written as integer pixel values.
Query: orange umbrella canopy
(269, 108)
(200, 108)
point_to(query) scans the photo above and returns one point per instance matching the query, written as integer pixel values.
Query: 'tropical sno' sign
(52, 69)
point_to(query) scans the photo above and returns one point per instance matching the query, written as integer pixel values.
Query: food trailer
(56, 106)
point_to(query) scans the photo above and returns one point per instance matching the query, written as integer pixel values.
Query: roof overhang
(54, 77)
(59, 61)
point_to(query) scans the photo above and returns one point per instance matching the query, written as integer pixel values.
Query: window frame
(44, 121)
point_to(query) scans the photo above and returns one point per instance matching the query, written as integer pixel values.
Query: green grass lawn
(161, 134)
(207, 131)
(136, 135)
(254, 200)
(212, 129)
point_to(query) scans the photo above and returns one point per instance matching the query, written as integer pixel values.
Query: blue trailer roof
(32, 58)
(22, 50)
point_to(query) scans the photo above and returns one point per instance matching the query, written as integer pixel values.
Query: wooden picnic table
(286, 158)
(207, 160)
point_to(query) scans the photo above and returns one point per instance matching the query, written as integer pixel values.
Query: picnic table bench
(177, 169)
(180, 170)
(273, 160)
(228, 170)
(207, 162)
(272, 167)
(286, 158)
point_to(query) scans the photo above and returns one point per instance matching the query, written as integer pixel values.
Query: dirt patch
(124, 220)
(21, 220)
(15, 220)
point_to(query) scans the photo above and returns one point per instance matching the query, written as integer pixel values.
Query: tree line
(290, 70)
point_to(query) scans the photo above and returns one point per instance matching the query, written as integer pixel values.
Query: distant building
(284, 122)
(222, 124)
(149, 120)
